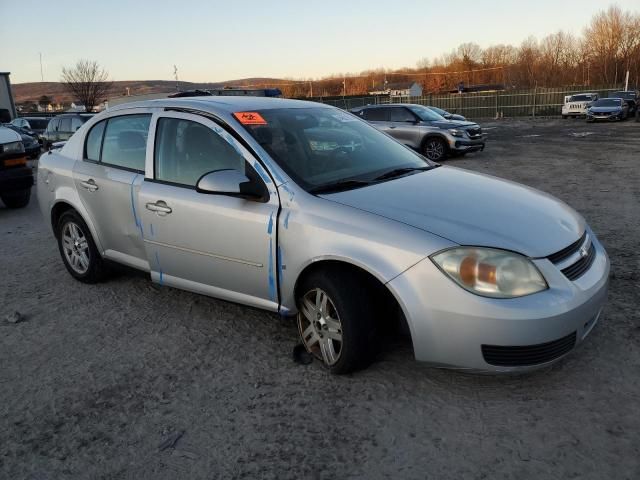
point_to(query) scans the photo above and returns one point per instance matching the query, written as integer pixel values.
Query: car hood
(605, 109)
(447, 124)
(472, 209)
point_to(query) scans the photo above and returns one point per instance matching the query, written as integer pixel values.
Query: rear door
(212, 244)
(378, 117)
(108, 179)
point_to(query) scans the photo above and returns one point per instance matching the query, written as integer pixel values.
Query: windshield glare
(322, 146)
(426, 114)
(609, 102)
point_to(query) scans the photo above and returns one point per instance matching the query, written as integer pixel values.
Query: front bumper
(18, 178)
(460, 145)
(605, 116)
(449, 325)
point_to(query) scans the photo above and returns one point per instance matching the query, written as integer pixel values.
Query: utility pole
(175, 74)
(311, 88)
(41, 74)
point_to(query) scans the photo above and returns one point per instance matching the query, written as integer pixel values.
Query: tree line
(608, 47)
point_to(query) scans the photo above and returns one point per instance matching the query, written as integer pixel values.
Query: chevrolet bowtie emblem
(583, 252)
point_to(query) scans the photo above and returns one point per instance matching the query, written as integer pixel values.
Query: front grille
(576, 270)
(474, 132)
(568, 251)
(520, 356)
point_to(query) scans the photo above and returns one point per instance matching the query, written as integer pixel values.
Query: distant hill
(30, 92)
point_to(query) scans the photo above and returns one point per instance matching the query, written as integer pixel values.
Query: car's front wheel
(435, 149)
(17, 199)
(78, 250)
(336, 320)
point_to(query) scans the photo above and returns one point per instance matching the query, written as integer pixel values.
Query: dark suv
(61, 128)
(424, 130)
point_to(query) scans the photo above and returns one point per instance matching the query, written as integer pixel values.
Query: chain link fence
(535, 102)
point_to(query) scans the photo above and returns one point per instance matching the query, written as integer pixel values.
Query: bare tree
(88, 82)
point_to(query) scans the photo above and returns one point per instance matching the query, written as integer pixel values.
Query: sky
(212, 40)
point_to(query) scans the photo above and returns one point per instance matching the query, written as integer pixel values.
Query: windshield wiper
(339, 186)
(398, 172)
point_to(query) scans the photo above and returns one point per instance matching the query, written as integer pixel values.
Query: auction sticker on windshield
(250, 118)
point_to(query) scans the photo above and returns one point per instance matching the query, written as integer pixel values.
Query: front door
(212, 244)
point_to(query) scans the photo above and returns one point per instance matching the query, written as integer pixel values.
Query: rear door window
(125, 142)
(401, 114)
(65, 124)
(377, 114)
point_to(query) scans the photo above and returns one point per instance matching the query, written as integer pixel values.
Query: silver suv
(424, 130)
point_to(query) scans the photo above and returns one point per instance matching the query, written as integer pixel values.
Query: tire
(434, 148)
(338, 325)
(564, 117)
(18, 199)
(78, 250)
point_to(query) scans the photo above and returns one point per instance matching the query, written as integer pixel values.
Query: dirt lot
(97, 377)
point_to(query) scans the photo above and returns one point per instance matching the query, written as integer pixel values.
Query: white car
(576, 105)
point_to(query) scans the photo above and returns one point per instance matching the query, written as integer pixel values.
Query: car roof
(228, 104)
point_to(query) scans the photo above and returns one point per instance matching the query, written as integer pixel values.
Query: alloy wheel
(434, 150)
(75, 247)
(320, 326)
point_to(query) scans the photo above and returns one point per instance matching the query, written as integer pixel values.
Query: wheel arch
(379, 288)
(437, 135)
(62, 205)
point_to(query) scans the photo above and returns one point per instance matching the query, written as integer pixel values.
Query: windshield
(608, 102)
(322, 146)
(426, 114)
(580, 98)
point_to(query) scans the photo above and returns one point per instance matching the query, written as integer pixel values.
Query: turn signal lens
(491, 272)
(14, 162)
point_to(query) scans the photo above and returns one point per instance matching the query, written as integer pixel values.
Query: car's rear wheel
(337, 320)
(435, 149)
(78, 250)
(17, 199)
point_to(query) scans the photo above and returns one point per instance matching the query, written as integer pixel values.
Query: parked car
(576, 105)
(306, 210)
(608, 109)
(31, 144)
(424, 130)
(630, 97)
(34, 126)
(61, 128)
(446, 115)
(16, 178)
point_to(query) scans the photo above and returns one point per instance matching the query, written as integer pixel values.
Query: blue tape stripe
(270, 225)
(272, 283)
(159, 267)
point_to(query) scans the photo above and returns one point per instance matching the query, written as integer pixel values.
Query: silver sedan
(306, 210)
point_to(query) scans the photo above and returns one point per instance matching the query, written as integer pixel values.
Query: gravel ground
(129, 380)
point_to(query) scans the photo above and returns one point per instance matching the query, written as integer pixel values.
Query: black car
(16, 178)
(630, 97)
(447, 115)
(31, 144)
(61, 128)
(34, 126)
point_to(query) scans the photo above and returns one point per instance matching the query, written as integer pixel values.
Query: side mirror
(232, 183)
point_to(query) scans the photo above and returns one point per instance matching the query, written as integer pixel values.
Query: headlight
(490, 272)
(456, 133)
(14, 147)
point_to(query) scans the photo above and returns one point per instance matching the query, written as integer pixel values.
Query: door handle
(160, 207)
(89, 185)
